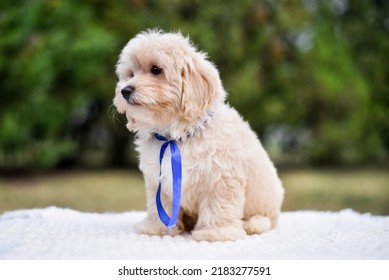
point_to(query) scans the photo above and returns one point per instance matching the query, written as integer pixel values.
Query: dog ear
(201, 86)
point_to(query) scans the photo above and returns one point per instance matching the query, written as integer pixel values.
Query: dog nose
(127, 91)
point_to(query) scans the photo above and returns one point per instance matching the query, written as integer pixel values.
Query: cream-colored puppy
(230, 186)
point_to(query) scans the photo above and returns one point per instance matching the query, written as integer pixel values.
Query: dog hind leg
(257, 224)
(220, 214)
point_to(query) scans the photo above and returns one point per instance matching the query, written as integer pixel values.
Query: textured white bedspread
(55, 233)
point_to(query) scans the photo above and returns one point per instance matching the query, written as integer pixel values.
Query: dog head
(163, 80)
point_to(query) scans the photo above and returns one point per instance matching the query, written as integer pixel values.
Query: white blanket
(55, 233)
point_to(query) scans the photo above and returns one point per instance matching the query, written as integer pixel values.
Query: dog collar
(175, 155)
(190, 133)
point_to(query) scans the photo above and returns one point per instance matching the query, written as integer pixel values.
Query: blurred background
(311, 77)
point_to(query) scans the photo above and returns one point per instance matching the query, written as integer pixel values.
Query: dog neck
(180, 132)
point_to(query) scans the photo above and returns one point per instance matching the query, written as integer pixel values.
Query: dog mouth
(133, 102)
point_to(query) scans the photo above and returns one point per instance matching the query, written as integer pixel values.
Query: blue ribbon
(170, 222)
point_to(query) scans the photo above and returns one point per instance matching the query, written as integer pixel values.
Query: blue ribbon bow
(170, 222)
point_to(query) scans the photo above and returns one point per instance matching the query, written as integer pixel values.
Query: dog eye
(155, 70)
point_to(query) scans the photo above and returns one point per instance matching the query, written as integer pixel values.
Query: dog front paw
(218, 234)
(149, 228)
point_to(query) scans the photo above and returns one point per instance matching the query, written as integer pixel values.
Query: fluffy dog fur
(230, 186)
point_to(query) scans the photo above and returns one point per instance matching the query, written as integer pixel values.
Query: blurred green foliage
(310, 76)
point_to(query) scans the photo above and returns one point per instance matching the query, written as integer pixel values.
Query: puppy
(229, 186)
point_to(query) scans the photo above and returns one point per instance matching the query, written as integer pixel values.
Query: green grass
(361, 190)
(116, 191)
(99, 191)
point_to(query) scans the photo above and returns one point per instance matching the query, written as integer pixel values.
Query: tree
(309, 76)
